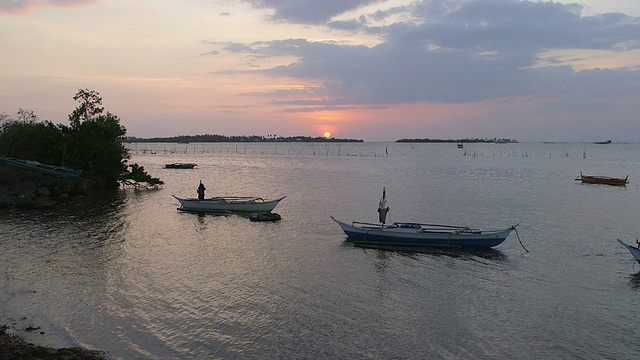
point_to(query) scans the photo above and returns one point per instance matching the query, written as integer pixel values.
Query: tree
(95, 143)
(26, 115)
(90, 106)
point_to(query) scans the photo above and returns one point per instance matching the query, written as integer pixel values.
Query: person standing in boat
(201, 190)
(383, 209)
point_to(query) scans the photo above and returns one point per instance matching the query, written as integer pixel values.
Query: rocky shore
(26, 189)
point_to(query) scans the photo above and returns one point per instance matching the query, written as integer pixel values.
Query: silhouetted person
(201, 190)
(383, 209)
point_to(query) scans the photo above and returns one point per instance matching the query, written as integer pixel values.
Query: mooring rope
(516, 230)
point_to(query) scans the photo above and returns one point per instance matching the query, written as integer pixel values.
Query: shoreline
(12, 346)
(26, 332)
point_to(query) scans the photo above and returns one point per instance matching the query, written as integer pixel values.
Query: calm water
(129, 274)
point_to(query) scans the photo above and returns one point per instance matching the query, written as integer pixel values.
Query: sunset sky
(368, 69)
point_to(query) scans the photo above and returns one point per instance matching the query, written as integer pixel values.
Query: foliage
(90, 107)
(32, 140)
(137, 176)
(92, 142)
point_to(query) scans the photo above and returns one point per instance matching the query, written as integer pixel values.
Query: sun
(327, 134)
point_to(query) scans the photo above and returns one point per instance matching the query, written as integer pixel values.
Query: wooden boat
(603, 142)
(603, 180)
(228, 204)
(180, 166)
(35, 166)
(422, 235)
(634, 250)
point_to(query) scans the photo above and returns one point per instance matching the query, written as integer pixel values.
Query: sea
(127, 273)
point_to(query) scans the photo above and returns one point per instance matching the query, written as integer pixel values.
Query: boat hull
(59, 171)
(390, 235)
(227, 205)
(635, 252)
(603, 180)
(180, 166)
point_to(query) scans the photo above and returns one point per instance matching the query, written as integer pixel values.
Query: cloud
(459, 51)
(309, 11)
(19, 7)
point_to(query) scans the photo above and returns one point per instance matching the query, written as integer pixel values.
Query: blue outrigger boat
(634, 250)
(422, 235)
(35, 166)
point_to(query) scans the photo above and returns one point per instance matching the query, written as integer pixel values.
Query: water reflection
(634, 280)
(80, 237)
(413, 252)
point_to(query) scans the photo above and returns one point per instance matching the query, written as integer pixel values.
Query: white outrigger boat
(634, 250)
(228, 204)
(422, 235)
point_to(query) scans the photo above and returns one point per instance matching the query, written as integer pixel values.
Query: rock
(44, 203)
(24, 201)
(65, 186)
(43, 191)
(5, 201)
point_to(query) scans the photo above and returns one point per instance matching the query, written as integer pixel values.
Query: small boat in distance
(415, 235)
(634, 250)
(228, 204)
(603, 142)
(35, 166)
(460, 145)
(180, 166)
(605, 180)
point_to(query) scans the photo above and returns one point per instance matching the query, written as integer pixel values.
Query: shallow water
(127, 273)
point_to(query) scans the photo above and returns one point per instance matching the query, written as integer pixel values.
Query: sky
(367, 69)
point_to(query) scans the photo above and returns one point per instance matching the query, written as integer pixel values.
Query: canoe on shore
(35, 166)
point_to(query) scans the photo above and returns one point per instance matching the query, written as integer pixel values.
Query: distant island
(222, 138)
(472, 140)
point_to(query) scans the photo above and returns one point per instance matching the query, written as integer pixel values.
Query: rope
(365, 236)
(516, 230)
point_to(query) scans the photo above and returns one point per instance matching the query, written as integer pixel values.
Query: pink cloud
(21, 7)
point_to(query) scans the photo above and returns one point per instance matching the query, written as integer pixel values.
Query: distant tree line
(92, 142)
(243, 138)
(466, 140)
